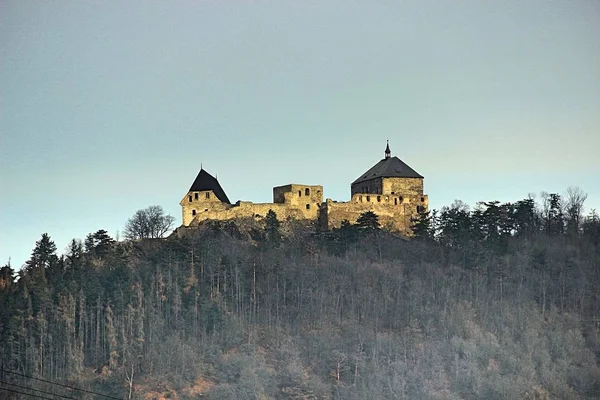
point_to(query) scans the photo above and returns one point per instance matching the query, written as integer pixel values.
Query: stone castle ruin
(391, 189)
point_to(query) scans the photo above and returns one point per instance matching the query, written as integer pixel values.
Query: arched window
(196, 196)
(360, 198)
(208, 195)
(422, 199)
(193, 212)
(307, 192)
(368, 198)
(299, 193)
(379, 199)
(395, 201)
(190, 198)
(308, 206)
(401, 199)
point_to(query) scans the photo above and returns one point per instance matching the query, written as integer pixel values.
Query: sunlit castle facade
(391, 189)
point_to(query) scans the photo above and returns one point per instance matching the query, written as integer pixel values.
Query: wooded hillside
(499, 302)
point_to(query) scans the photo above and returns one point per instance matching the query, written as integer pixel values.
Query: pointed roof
(391, 167)
(205, 181)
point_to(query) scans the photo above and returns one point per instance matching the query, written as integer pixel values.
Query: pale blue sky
(109, 107)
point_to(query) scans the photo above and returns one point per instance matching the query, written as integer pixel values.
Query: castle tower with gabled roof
(389, 176)
(205, 194)
(390, 188)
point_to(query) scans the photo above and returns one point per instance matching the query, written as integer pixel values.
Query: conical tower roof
(205, 181)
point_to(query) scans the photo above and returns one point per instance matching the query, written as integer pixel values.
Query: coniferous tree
(554, 219)
(272, 227)
(524, 218)
(368, 222)
(42, 257)
(423, 225)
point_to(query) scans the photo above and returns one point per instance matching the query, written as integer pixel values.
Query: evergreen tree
(524, 218)
(368, 222)
(272, 227)
(98, 244)
(554, 219)
(423, 225)
(43, 257)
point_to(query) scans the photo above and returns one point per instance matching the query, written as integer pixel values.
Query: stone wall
(307, 197)
(394, 217)
(196, 202)
(404, 186)
(305, 202)
(289, 201)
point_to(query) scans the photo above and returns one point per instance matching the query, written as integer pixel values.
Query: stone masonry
(391, 189)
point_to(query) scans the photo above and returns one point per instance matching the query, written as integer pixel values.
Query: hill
(285, 312)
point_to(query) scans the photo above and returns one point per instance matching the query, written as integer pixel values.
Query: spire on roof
(388, 152)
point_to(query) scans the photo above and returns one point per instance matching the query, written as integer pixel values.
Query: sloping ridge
(205, 181)
(391, 167)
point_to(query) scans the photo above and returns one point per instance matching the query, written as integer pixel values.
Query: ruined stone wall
(195, 202)
(305, 198)
(393, 217)
(305, 202)
(246, 209)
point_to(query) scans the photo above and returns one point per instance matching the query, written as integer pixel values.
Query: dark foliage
(493, 304)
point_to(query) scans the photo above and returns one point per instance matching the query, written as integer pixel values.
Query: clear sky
(109, 107)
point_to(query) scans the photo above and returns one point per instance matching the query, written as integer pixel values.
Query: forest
(497, 301)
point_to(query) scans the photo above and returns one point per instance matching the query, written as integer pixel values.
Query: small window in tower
(193, 212)
(368, 198)
(379, 199)
(393, 193)
(196, 196)
(308, 206)
(401, 199)
(422, 199)
(208, 195)
(190, 198)
(395, 201)
(307, 192)
(299, 193)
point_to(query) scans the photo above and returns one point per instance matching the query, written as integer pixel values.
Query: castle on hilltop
(391, 189)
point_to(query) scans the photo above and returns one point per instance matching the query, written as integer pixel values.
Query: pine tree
(368, 222)
(272, 228)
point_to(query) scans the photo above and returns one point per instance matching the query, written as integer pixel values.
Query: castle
(391, 189)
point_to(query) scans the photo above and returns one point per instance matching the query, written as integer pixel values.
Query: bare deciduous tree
(150, 222)
(574, 208)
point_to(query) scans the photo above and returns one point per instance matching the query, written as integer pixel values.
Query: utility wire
(60, 384)
(27, 394)
(37, 390)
